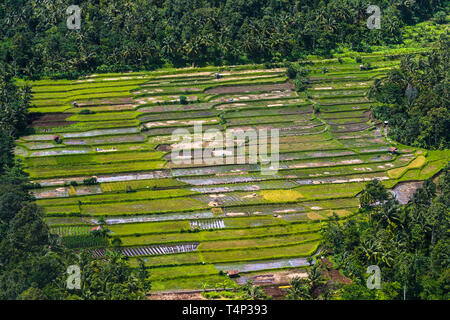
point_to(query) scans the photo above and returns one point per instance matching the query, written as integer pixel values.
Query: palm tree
(299, 290)
(315, 276)
(370, 249)
(252, 292)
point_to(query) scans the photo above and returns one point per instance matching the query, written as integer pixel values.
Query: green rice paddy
(147, 199)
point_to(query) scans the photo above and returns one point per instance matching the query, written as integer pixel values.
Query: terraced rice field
(190, 221)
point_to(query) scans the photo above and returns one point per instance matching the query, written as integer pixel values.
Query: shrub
(101, 221)
(227, 294)
(291, 71)
(316, 108)
(34, 186)
(440, 17)
(90, 181)
(358, 59)
(183, 100)
(73, 183)
(57, 139)
(269, 65)
(85, 241)
(301, 83)
(86, 111)
(116, 242)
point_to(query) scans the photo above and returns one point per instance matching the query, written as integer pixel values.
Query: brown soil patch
(163, 147)
(275, 292)
(333, 274)
(336, 277)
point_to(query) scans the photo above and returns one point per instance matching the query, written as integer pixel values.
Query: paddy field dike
(188, 222)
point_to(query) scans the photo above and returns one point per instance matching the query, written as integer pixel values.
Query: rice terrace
(224, 151)
(99, 158)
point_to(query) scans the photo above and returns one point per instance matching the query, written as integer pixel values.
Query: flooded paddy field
(114, 167)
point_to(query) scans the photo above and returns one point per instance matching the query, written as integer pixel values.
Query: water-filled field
(107, 160)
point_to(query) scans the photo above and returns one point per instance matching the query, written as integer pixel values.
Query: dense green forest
(414, 99)
(33, 262)
(145, 34)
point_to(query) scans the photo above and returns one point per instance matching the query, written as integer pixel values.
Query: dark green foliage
(14, 103)
(29, 264)
(252, 292)
(109, 278)
(300, 75)
(314, 286)
(414, 99)
(291, 70)
(374, 193)
(90, 181)
(142, 275)
(116, 242)
(6, 150)
(440, 17)
(57, 139)
(126, 35)
(410, 244)
(316, 109)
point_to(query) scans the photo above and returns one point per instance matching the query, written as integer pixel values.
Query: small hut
(393, 150)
